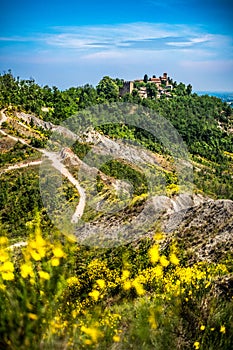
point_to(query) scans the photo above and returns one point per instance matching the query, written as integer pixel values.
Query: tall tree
(145, 79)
(189, 89)
(108, 88)
(151, 90)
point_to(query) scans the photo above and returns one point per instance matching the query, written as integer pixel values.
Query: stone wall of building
(127, 88)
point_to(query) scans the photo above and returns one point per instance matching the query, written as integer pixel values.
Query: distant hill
(224, 96)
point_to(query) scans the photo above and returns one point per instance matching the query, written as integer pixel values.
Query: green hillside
(169, 287)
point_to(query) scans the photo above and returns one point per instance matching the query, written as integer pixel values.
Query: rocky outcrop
(28, 118)
(206, 231)
(203, 231)
(116, 227)
(31, 119)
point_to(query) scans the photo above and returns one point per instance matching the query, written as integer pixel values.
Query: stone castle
(162, 83)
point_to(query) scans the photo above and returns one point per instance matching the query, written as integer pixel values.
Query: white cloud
(18, 39)
(124, 35)
(192, 41)
(187, 53)
(104, 39)
(108, 40)
(105, 55)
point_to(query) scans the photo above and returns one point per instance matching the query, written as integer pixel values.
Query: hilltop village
(162, 85)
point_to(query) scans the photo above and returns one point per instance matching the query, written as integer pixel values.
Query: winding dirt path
(57, 164)
(20, 166)
(56, 160)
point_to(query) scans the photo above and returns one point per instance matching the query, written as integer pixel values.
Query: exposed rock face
(224, 286)
(206, 230)
(130, 224)
(28, 118)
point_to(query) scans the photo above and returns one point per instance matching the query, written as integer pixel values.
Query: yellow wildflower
(3, 240)
(163, 261)
(8, 276)
(73, 281)
(58, 252)
(93, 332)
(36, 248)
(173, 259)
(55, 262)
(26, 270)
(94, 294)
(7, 267)
(44, 275)
(127, 285)
(158, 236)
(202, 328)
(40, 242)
(125, 274)
(139, 288)
(101, 283)
(7, 270)
(158, 271)
(3, 256)
(154, 254)
(36, 255)
(116, 338)
(223, 329)
(32, 316)
(74, 313)
(196, 345)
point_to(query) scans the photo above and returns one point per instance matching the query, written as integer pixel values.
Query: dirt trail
(56, 160)
(57, 164)
(20, 166)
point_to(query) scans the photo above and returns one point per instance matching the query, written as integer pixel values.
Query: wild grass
(55, 294)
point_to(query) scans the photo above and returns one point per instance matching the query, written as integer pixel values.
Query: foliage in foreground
(55, 294)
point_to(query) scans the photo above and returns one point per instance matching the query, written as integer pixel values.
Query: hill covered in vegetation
(169, 285)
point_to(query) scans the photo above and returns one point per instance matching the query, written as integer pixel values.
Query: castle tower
(127, 88)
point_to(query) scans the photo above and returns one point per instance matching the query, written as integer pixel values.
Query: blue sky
(70, 43)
